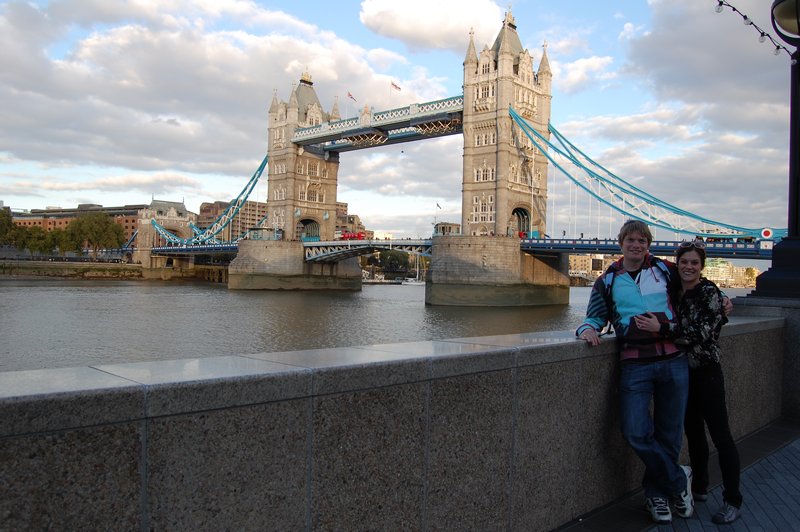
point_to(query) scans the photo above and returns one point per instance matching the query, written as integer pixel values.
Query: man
(631, 294)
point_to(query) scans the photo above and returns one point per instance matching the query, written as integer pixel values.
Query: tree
(38, 241)
(97, 230)
(6, 224)
(59, 238)
(394, 261)
(18, 237)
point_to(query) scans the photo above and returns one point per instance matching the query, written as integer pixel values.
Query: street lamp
(783, 278)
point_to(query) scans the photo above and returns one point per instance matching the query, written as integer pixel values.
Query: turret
(292, 113)
(544, 74)
(335, 115)
(471, 59)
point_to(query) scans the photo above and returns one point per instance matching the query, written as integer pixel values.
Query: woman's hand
(647, 322)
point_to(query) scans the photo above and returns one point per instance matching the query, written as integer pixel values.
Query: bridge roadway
(403, 124)
(336, 250)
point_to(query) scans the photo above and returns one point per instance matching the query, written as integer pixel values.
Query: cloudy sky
(115, 102)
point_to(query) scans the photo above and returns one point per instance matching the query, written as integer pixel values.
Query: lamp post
(783, 278)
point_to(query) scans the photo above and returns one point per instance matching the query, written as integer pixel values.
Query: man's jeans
(656, 439)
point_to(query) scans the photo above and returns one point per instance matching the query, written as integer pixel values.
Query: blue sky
(115, 102)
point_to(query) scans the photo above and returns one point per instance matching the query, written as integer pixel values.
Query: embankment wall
(514, 432)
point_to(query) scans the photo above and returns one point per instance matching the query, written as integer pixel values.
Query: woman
(701, 310)
(700, 319)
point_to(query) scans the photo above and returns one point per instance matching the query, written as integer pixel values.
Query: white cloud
(577, 75)
(629, 31)
(384, 59)
(422, 24)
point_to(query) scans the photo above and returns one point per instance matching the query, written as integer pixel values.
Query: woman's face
(689, 267)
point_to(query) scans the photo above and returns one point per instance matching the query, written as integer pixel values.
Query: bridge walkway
(770, 486)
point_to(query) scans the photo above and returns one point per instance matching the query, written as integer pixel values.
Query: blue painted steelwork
(197, 231)
(336, 250)
(729, 250)
(127, 244)
(220, 223)
(626, 198)
(196, 249)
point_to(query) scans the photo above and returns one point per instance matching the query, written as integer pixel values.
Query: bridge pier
(491, 271)
(280, 265)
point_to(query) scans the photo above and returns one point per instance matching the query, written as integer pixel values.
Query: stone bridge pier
(281, 265)
(492, 271)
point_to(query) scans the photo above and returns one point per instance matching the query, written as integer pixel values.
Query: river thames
(46, 323)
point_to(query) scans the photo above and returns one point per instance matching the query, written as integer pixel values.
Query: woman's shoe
(726, 514)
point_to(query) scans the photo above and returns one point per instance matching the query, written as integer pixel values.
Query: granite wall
(514, 432)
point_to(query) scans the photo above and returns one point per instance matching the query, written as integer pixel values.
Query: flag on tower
(351, 97)
(395, 86)
(439, 206)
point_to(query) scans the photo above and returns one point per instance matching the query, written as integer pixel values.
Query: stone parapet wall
(512, 432)
(789, 310)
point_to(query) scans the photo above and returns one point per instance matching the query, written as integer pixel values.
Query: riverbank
(70, 270)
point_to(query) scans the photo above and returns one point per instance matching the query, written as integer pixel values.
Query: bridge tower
(301, 195)
(504, 186)
(301, 205)
(504, 176)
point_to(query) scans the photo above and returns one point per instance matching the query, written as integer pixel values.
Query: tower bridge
(509, 145)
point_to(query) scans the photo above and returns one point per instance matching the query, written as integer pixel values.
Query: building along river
(47, 323)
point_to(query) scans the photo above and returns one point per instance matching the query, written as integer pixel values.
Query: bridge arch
(307, 229)
(520, 221)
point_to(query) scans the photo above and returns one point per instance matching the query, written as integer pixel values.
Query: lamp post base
(783, 277)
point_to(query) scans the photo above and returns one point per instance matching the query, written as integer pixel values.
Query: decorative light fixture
(782, 280)
(786, 20)
(784, 13)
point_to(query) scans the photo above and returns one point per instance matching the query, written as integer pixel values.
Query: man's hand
(591, 336)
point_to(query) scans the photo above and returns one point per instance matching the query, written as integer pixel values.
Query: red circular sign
(766, 233)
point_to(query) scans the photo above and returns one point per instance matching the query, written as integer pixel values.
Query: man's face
(635, 246)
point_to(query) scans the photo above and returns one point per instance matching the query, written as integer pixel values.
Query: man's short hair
(635, 226)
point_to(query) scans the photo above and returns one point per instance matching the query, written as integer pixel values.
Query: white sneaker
(684, 502)
(659, 510)
(727, 514)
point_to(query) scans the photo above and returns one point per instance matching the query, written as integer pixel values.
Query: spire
(273, 108)
(335, 110)
(472, 55)
(507, 40)
(544, 64)
(293, 98)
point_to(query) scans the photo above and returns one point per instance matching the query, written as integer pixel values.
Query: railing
(746, 250)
